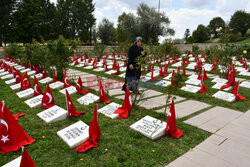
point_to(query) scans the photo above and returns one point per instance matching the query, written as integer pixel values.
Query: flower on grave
(153, 151)
(245, 52)
(43, 137)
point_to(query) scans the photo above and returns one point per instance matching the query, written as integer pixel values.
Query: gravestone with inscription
(109, 110)
(75, 134)
(245, 84)
(193, 81)
(38, 76)
(191, 88)
(35, 101)
(53, 114)
(25, 70)
(14, 163)
(11, 81)
(88, 98)
(26, 93)
(16, 86)
(56, 85)
(4, 73)
(31, 72)
(46, 80)
(71, 90)
(150, 127)
(8, 76)
(229, 97)
(219, 85)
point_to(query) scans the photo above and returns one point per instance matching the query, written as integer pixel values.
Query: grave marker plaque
(35, 101)
(26, 93)
(53, 114)
(109, 110)
(88, 98)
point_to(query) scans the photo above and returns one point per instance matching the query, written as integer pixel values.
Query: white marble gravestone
(46, 80)
(156, 74)
(245, 73)
(99, 69)
(53, 114)
(9, 76)
(38, 76)
(12, 81)
(150, 127)
(168, 77)
(16, 86)
(208, 67)
(109, 110)
(20, 67)
(80, 65)
(2, 70)
(4, 73)
(123, 68)
(229, 97)
(163, 83)
(245, 84)
(219, 85)
(75, 134)
(35, 101)
(71, 90)
(56, 85)
(26, 93)
(193, 81)
(25, 70)
(193, 76)
(31, 72)
(191, 88)
(220, 80)
(110, 72)
(177, 64)
(14, 163)
(88, 67)
(88, 98)
(123, 75)
(145, 79)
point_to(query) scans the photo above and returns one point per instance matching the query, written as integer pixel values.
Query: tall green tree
(106, 31)
(240, 22)
(215, 24)
(201, 34)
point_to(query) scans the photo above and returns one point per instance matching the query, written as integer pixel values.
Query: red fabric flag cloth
(31, 66)
(81, 58)
(18, 76)
(171, 128)
(231, 82)
(166, 68)
(16, 116)
(37, 69)
(202, 72)
(162, 74)
(117, 70)
(114, 64)
(152, 76)
(48, 99)
(172, 79)
(203, 86)
(126, 107)
(66, 81)
(25, 82)
(12, 135)
(79, 87)
(178, 69)
(102, 94)
(236, 93)
(54, 76)
(26, 160)
(94, 135)
(44, 73)
(76, 62)
(71, 108)
(37, 89)
(125, 63)
(14, 72)
(106, 67)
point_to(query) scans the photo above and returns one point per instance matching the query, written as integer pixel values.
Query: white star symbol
(4, 138)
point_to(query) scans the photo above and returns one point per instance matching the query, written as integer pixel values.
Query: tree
(149, 24)
(215, 24)
(201, 34)
(187, 34)
(240, 22)
(106, 31)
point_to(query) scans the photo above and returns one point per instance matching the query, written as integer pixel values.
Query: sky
(183, 14)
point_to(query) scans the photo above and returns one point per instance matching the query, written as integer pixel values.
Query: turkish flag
(66, 81)
(79, 87)
(25, 82)
(12, 135)
(126, 107)
(16, 116)
(231, 81)
(71, 108)
(236, 93)
(114, 64)
(48, 99)
(166, 68)
(94, 135)
(202, 72)
(18, 76)
(37, 69)
(37, 89)
(26, 160)
(44, 73)
(152, 76)
(54, 76)
(102, 94)
(162, 74)
(76, 62)
(171, 128)
(203, 86)
(117, 70)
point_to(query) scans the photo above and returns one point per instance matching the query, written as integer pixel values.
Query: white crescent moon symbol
(130, 100)
(4, 123)
(50, 97)
(66, 81)
(35, 88)
(25, 79)
(78, 85)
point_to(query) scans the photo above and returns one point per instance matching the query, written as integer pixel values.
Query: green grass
(125, 147)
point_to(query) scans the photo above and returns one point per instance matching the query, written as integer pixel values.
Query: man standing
(133, 72)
